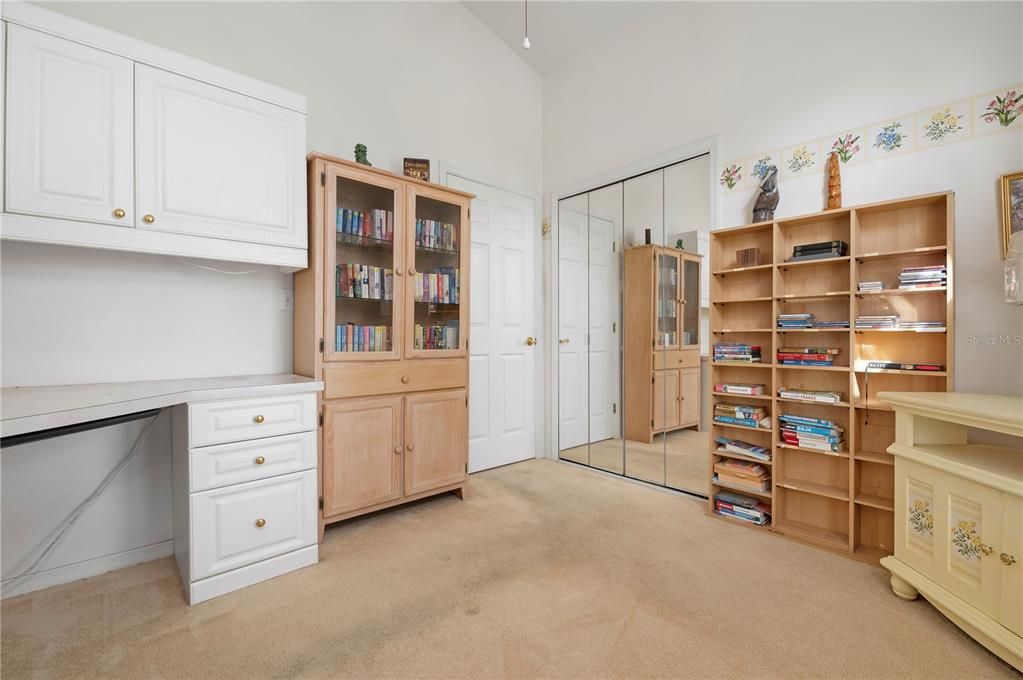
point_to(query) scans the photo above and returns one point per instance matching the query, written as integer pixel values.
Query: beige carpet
(678, 459)
(545, 570)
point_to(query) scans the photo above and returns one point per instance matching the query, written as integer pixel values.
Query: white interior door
(603, 301)
(502, 315)
(573, 319)
(69, 130)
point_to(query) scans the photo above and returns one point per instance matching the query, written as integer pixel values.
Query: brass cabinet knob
(409, 447)
(530, 341)
(258, 419)
(260, 522)
(985, 549)
(148, 219)
(1007, 559)
(397, 450)
(260, 460)
(404, 379)
(119, 213)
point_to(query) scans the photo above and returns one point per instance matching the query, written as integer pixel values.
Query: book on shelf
(932, 276)
(902, 366)
(810, 396)
(832, 324)
(804, 248)
(876, 321)
(802, 320)
(742, 473)
(362, 281)
(737, 351)
(441, 286)
(740, 506)
(746, 415)
(805, 358)
(436, 235)
(740, 388)
(748, 257)
(811, 433)
(808, 350)
(436, 337)
(743, 448)
(870, 286)
(361, 338)
(376, 224)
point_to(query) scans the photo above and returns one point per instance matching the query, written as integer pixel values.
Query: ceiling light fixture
(525, 40)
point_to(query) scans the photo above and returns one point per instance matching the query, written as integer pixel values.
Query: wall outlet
(287, 300)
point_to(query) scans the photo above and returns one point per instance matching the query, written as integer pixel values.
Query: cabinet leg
(903, 589)
(320, 532)
(460, 492)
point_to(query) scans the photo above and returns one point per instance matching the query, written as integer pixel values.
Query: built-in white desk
(245, 465)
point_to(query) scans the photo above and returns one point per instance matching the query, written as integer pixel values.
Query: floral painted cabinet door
(965, 521)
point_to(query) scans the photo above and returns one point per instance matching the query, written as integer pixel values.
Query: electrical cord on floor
(70, 520)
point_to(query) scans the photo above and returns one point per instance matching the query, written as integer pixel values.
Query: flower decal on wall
(761, 167)
(731, 175)
(890, 138)
(1004, 109)
(846, 147)
(966, 540)
(801, 159)
(942, 124)
(920, 518)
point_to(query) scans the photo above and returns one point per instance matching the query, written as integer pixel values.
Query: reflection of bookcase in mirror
(835, 490)
(381, 316)
(661, 341)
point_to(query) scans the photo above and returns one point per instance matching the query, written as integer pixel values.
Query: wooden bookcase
(394, 410)
(661, 341)
(840, 501)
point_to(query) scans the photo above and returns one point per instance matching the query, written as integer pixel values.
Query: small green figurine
(680, 244)
(360, 155)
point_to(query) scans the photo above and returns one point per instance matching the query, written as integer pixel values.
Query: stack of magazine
(740, 506)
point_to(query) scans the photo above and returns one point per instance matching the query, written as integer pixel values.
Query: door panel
(690, 393)
(435, 440)
(666, 399)
(69, 130)
(215, 163)
(573, 320)
(362, 457)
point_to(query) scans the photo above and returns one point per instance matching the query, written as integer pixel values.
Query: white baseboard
(214, 586)
(46, 578)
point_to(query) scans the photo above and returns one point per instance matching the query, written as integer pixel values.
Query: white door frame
(708, 145)
(446, 169)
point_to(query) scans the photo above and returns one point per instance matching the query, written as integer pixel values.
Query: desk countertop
(31, 409)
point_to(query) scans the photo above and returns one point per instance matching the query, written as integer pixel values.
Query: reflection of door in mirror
(573, 379)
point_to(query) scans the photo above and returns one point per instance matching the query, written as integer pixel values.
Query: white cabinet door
(211, 162)
(69, 130)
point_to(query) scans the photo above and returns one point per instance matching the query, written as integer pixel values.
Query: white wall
(418, 79)
(768, 75)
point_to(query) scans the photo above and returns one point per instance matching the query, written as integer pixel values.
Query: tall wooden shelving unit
(841, 501)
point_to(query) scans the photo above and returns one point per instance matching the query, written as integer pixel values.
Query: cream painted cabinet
(959, 513)
(69, 130)
(215, 163)
(365, 438)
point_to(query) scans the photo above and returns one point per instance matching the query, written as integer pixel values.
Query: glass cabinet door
(438, 252)
(361, 316)
(691, 303)
(666, 309)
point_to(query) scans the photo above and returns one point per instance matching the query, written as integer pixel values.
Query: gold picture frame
(1012, 207)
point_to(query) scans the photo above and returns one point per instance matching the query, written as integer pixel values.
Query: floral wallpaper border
(996, 111)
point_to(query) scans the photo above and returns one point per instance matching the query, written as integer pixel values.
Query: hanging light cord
(525, 9)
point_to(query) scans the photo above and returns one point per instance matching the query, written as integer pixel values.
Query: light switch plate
(287, 300)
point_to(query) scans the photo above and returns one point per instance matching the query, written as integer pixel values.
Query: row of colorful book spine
(359, 338)
(376, 224)
(436, 336)
(363, 282)
(437, 235)
(438, 287)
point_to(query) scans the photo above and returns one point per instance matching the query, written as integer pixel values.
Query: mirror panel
(573, 376)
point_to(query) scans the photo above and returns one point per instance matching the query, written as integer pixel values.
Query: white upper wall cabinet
(116, 144)
(211, 162)
(69, 111)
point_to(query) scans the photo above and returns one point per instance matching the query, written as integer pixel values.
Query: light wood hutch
(382, 317)
(842, 500)
(661, 340)
(959, 513)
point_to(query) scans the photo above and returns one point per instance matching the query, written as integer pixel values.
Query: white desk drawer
(246, 523)
(219, 422)
(211, 467)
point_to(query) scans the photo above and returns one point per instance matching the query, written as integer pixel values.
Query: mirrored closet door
(628, 322)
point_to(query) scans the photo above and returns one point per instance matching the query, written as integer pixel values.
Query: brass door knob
(404, 379)
(1007, 559)
(562, 341)
(409, 447)
(397, 450)
(260, 460)
(260, 522)
(148, 219)
(119, 213)
(258, 419)
(531, 341)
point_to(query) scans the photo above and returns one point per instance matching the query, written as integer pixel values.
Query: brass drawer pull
(119, 213)
(260, 522)
(260, 460)
(1007, 559)
(258, 420)
(148, 219)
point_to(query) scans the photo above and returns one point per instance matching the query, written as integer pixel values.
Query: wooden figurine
(834, 182)
(767, 200)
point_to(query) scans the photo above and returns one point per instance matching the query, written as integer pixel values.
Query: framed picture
(418, 168)
(1012, 208)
